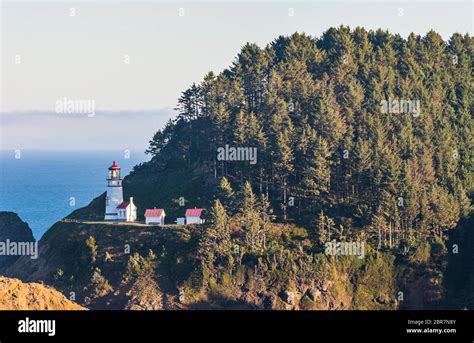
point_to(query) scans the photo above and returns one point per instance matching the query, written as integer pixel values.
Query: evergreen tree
(225, 194)
(219, 231)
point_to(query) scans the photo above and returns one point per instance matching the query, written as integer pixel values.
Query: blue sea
(43, 187)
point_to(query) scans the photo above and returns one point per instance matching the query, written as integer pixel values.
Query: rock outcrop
(13, 229)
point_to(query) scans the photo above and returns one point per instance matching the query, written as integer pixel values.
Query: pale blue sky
(82, 57)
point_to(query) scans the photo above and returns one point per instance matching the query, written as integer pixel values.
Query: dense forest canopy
(365, 127)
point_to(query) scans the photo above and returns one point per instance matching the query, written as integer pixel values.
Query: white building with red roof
(155, 216)
(115, 207)
(193, 216)
(127, 211)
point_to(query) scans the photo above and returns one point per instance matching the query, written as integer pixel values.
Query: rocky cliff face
(12, 228)
(16, 295)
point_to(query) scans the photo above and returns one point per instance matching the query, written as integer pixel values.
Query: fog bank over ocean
(106, 130)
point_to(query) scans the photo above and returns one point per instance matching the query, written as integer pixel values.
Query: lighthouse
(114, 196)
(115, 207)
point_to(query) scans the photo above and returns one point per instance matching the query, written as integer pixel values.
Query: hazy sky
(82, 57)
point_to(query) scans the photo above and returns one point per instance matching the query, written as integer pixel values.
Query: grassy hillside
(16, 295)
(68, 262)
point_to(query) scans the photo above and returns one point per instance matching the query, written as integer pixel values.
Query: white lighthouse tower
(114, 196)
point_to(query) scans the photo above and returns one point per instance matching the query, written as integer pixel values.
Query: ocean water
(43, 187)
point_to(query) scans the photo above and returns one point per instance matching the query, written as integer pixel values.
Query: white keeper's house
(115, 207)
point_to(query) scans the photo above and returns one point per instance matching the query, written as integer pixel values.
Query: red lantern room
(114, 172)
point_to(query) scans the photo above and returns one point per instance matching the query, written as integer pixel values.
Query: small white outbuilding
(155, 216)
(193, 216)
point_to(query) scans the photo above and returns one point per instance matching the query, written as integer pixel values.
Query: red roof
(114, 166)
(154, 212)
(123, 205)
(193, 212)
